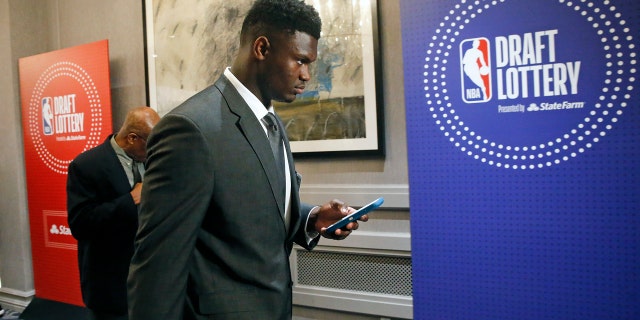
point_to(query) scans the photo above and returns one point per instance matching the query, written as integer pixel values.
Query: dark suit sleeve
(301, 234)
(93, 206)
(175, 198)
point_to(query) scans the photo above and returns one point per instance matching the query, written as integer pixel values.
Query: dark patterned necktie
(137, 178)
(275, 139)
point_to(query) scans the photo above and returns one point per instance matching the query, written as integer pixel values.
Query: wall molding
(395, 195)
(14, 299)
(376, 240)
(372, 304)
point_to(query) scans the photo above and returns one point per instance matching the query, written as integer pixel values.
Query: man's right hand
(135, 193)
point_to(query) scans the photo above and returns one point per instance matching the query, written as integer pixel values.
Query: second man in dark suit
(103, 193)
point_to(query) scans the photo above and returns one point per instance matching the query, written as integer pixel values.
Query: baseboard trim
(14, 299)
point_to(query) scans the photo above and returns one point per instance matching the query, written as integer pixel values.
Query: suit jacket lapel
(255, 135)
(114, 172)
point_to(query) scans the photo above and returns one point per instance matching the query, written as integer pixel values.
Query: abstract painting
(191, 42)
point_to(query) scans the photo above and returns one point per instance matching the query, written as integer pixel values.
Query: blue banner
(523, 134)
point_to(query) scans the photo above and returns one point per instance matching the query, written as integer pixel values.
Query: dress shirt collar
(119, 151)
(254, 103)
(126, 161)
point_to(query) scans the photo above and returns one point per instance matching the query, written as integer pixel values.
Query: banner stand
(66, 109)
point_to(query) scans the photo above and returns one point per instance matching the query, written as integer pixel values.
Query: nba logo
(475, 67)
(47, 116)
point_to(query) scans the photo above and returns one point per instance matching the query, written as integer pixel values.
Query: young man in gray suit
(217, 221)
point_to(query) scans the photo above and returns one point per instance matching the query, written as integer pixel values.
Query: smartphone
(354, 216)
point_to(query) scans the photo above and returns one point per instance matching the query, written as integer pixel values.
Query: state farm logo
(62, 229)
(527, 94)
(57, 233)
(555, 106)
(544, 106)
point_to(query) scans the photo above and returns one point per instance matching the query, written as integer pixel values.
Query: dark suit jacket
(212, 242)
(103, 218)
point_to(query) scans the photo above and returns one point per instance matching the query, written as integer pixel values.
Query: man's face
(286, 70)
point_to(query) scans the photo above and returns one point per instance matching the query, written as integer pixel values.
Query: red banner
(66, 109)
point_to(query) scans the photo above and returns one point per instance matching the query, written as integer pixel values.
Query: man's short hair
(281, 15)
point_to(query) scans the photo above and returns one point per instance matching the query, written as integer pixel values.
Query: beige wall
(14, 223)
(29, 27)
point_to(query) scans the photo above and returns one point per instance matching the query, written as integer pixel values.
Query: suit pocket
(228, 302)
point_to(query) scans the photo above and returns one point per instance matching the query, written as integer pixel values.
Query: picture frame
(189, 43)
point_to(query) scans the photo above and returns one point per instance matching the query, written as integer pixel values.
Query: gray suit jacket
(212, 242)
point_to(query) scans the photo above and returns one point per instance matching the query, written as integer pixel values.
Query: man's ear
(131, 137)
(261, 47)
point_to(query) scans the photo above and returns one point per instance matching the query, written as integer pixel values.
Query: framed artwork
(191, 42)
